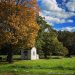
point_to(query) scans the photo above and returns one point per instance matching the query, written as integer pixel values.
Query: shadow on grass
(3, 62)
(37, 74)
(42, 67)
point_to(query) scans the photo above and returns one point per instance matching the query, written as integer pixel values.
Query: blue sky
(58, 13)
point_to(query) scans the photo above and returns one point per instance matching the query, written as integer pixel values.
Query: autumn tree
(18, 25)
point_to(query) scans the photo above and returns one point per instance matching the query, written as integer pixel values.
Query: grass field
(63, 66)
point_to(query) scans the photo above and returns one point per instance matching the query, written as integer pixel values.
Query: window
(25, 53)
(34, 53)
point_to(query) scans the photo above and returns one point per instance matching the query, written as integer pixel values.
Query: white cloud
(54, 19)
(71, 5)
(51, 5)
(71, 29)
(53, 13)
(69, 20)
(64, 0)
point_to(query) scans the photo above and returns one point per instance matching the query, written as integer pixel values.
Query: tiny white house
(29, 54)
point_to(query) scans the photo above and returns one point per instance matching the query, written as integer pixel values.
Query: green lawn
(63, 66)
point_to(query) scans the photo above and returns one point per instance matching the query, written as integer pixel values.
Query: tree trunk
(45, 55)
(10, 54)
(68, 55)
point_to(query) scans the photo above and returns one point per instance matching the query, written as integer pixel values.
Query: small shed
(29, 54)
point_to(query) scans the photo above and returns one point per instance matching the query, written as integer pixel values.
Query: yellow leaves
(4, 37)
(21, 21)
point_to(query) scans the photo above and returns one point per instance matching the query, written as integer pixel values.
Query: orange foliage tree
(18, 24)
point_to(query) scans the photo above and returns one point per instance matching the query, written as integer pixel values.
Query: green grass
(14, 57)
(64, 66)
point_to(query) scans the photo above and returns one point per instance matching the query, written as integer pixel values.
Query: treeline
(68, 40)
(50, 42)
(21, 27)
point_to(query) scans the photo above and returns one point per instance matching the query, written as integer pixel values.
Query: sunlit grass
(63, 65)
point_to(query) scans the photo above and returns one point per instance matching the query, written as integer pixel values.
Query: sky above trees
(58, 13)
